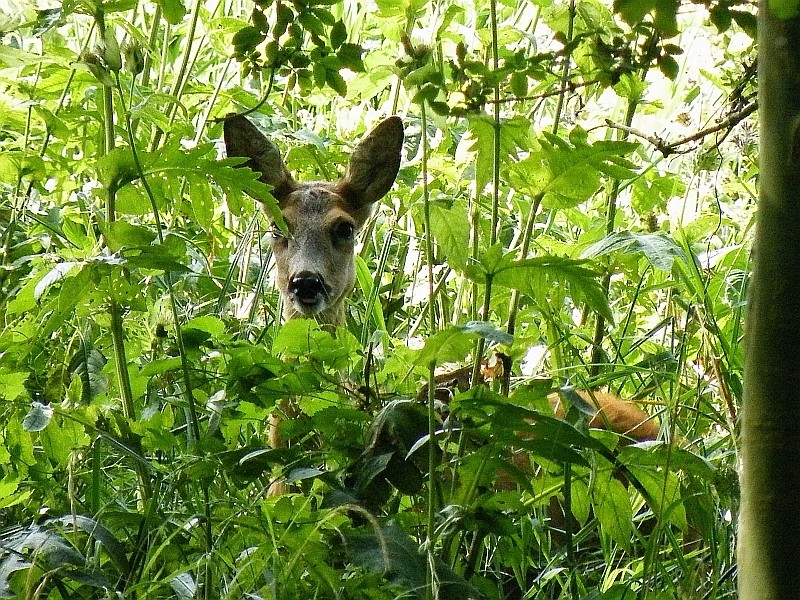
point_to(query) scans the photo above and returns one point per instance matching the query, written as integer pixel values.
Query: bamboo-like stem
(431, 525)
(480, 344)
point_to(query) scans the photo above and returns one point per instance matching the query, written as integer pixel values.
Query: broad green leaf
(568, 172)
(450, 227)
(537, 276)
(338, 34)
(664, 494)
(208, 323)
(336, 82)
(202, 201)
(12, 385)
(396, 556)
(513, 137)
(659, 250)
(451, 345)
(14, 57)
(305, 338)
(121, 233)
(56, 274)
(161, 366)
(38, 417)
(664, 13)
(116, 168)
(247, 38)
(612, 507)
(489, 332)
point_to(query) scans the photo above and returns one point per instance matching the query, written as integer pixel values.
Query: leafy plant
(574, 207)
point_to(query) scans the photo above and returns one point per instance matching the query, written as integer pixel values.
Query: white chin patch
(308, 310)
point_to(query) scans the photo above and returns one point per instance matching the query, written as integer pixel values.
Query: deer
(314, 259)
(315, 256)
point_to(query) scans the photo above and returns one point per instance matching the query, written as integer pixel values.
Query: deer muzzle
(308, 292)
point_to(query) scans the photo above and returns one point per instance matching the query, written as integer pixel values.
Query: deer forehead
(316, 206)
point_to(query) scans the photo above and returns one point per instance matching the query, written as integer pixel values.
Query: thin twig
(669, 148)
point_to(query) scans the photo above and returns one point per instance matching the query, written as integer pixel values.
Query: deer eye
(276, 234)
(343, 231)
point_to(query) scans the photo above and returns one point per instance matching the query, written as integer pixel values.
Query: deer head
(315, 259)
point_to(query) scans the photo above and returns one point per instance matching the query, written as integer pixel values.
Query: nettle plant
(573, 207)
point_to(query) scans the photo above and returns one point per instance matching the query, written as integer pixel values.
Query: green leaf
(305, 338)
(513, 137)
(450, 345)
(311, 23)
(120, 234)
(336, 82)
(174, 11)
(246, 39)
(488, 332)
(349, 55)
(12, 385)
(116, 168)
(664, 13)
(391, 553)
(612, 507)
(207, 323)
(659, 250)
(538, 276)
(38, 417)
(568, 172)
(338, 34)
(56, 274)
(519, 84)
(450, 227)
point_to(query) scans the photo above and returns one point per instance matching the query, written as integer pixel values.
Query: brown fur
(613, 414)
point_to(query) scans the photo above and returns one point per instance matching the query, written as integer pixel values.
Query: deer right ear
(243, 139)
(373, 165)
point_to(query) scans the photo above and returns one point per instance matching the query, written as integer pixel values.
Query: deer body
(314, 259)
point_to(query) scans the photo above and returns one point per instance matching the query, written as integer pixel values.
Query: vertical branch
(611, 217)
(115, 310)
(480, 344)
(431, 525)
(769, 526)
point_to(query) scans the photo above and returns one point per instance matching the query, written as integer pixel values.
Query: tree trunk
(769, 527)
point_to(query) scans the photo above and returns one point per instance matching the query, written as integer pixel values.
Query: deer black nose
(307, 287)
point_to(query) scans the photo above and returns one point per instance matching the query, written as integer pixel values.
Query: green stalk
(530, 218)
(187, 388)
(181, 77)
(114, 309)
(480, 344)
(429, 592)
(611, 215)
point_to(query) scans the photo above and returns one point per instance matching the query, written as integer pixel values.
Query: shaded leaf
(38, 417)
(659, 250)
(393, 554)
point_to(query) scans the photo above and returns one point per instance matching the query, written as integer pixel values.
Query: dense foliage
(574, 206)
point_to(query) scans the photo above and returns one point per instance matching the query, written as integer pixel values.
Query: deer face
(314, 260)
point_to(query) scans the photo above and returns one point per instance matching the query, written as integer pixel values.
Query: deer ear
(373, 165)
(242, 138)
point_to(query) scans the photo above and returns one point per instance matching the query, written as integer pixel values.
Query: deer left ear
(373, 165)
(242, 138)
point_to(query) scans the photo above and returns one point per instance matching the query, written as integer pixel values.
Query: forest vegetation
(574, 208)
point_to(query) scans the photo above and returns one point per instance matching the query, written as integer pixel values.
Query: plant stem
(480, 345)
(611, 215)
(187, 387)
(431, 526)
